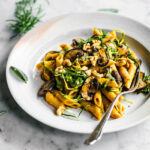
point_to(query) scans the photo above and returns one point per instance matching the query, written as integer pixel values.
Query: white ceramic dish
(32, 47)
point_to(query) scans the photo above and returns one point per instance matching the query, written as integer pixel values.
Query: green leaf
(111, 89)
(128, 101)
(82, 109)
(2, 112)
(113, 10)
(110, 76)
(146, 78)
(71, 114)
(20, 74)
(26, 16)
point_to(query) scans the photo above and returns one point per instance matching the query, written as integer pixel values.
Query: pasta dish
(89, 74)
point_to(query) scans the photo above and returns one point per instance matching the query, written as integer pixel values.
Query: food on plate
(90, 73)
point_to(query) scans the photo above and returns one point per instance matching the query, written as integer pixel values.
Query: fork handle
(98, 132)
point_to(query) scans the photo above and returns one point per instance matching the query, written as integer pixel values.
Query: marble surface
(19, 131)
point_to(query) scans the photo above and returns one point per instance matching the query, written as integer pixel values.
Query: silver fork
(98, 131)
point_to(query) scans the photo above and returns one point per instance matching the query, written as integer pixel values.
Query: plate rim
(51, 20)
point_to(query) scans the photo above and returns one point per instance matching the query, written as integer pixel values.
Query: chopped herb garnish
(79, 98)
(128, 101)
(71, 77)
(111, 89)
(146, 90)
(71, 114)
(64, 51)
(85, 57)
(20, 74)
(82, 109)
(110, 76)
(126, 44)
(146, 78)
(130, 57)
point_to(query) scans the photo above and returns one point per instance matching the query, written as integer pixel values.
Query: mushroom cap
(89, 88)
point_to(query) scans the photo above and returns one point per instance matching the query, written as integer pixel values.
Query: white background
(18, 131)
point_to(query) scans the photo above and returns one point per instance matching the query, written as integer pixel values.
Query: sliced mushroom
(47, 86)
(104, 59)
(76, 41)
(117, 76)
(73, 54)
(51, 55)
(89, 88)
(142, 84)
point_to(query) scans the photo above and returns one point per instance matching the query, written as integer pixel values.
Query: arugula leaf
(20, 74)
(113, 10)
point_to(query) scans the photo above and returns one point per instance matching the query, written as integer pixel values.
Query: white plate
(33, 46)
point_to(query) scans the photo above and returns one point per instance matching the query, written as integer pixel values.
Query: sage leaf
(2, 112)
(20, 74)
(113, 10)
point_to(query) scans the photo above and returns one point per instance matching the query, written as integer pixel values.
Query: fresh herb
(64, 51)
(111, 89)
(82, 109)
(59, 83)
(2, 112)
(89, 40)
(79, 98)
(146, 78)
(25, 17)
(85, 57)
(111, 51)
(71, 77)
(128, 101)
(126, 44)
(133, 59)
(20, 74)
(121, 40)
(110, 76)
(71, 114)
(146, 90)
(130, 57)
(113, 10)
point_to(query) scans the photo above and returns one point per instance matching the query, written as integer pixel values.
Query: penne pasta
(131, 71)
(52, 100)
(117, 111)
(95, 110)
(66, 101)
(98, 100)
